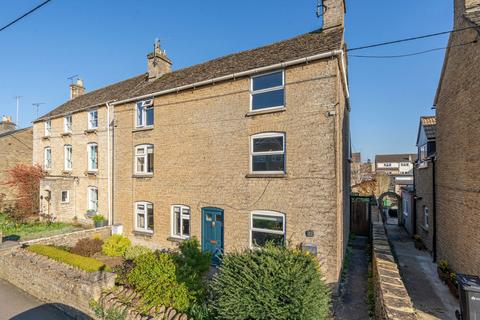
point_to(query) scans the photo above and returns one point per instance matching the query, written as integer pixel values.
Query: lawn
(32, 230)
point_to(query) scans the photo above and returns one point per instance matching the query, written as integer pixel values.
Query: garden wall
(70, 239)
(391, 297)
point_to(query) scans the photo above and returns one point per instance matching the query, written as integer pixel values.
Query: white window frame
(67, 200)
(91, 124)
(254, 92)
(268, 135)
(47, 163)
(136, 213)
(266, 213)
(143, 117)
(89, 154)
(48, 128)
(182, 217)
(90, 201)
(67, 124)
(426, 217)
(136, 156)
(67, 166)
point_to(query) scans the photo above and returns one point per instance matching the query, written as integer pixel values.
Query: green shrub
(84, 263)
(87, 247)
(271, 283)
(98, 218)
(106, 313)
(134, 252)
(154, 276)
(115, 245)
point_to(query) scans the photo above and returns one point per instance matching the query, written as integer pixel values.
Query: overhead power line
(24, 15)
(409, 39)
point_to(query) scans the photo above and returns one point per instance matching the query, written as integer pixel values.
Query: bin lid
(469, 282)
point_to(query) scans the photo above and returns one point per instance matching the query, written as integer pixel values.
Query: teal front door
(212, 233)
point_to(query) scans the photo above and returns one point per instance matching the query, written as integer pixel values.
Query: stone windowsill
(142, 233)
(91, 173)
(67, 172)
(260, 112)
(90, 131)
(142, 176)
(266, 175)
(142, 129)
(66, 134)
(176, 239)
(46, 138)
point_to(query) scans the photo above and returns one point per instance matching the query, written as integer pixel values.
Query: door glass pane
(268, 144)
(268, 99)
(261, 238)
(268, 81)
(268, 163)
(268, 222)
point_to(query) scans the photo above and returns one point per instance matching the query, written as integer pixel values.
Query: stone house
(424, 189)
(458, 147)
(15, 148)
(237, 151)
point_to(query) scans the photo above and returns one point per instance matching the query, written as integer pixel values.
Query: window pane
(140, 164)
(150, 163)
(268, 222)
(268, 144)
(261, 238)
(149, 116)
(150, 216)
(177, 222)
(267, 99)
(139, 114)
(268, 81)
(141, 221)
(186, 227)
(268, 163)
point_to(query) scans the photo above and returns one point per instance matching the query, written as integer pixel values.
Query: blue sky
(106, 41)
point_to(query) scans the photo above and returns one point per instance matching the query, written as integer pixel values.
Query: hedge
(84, 263)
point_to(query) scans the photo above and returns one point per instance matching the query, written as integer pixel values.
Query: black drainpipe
(434, 216)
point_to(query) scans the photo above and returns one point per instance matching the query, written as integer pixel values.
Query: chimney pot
(6, 124)
(158, 62)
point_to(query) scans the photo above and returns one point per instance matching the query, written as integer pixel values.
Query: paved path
(352, 305)
(431, 298)
(18, 305)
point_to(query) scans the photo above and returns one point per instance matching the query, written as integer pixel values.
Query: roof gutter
(319, 56)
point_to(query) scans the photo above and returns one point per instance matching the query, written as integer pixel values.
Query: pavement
(430, 296)
(18, 305)
(352, 303)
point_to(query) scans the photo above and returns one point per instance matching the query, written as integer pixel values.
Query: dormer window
(268, 91)
(93, 119)
(48, 128)
(144, 114)
(67, 124)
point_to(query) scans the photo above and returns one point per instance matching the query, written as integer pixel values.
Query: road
(18, 305)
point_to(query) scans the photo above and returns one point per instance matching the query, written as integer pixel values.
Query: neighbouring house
(399, 167)
(238, 151)
(457, 178)
(424, 188)
(407, 215)
(15, 148)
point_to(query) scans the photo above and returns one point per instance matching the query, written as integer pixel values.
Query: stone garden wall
(70, 239)
(391, 297)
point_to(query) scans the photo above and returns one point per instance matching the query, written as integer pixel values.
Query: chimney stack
(77, 89)
(333, 13)
(158, 63)
(472, 5)
(6, 124)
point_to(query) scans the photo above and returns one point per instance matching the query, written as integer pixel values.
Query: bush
(271, 283)
(115, 245)
(154, 276)
(134, 252)
(87, 247)
(98, 218)
(84, 263)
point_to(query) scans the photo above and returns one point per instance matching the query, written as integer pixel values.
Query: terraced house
(238, 151)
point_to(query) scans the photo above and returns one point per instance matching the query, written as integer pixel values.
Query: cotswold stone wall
(70, 239)
(391, 297)
(68, 288)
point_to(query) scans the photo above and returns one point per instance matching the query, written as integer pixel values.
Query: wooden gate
(360, 215)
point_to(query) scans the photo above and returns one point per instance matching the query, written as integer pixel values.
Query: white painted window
(144, 216)
(92, 154)
(267, 226)
(67, 124)
(48, 128)
(67, 154)
(181, 221)
(144, 114)
(144, 159)
(65, 196)
(267, 91)
(426, 217)
(93, 119)
(92, 198)
(47, 161)
(267, 153)
(423, 152)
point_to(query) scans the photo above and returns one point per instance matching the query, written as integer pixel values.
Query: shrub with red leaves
(87, 247)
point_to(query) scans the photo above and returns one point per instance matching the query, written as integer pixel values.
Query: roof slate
(302, 46)
(9, 133)
(395, 157)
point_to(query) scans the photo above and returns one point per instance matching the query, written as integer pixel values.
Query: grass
(85, 263)
(32, 230)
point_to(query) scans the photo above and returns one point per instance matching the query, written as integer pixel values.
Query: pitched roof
(430, 126)
(9, 133)
(402, 157)
(302, 46)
